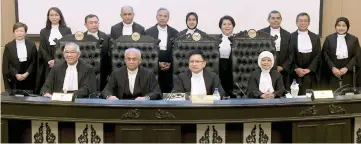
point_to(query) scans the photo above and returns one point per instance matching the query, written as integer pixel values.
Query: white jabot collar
(128, 25)
(200, 74)
(276, 30)
(191, 31)
(21, 50)
(132, 72)
(20, 41)
(341, 50)
(162, 29)
(55, 26)
(304, 42)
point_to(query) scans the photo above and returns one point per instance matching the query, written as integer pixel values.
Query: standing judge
(265, 82)
(339, 51)
(19, 61)
(132, 81)
(226, 24)
(282, 45)
(127, 26)
(55, 29)
(306, 51)
(196, 79)
(192, 23)
(92, 24)
(73, 75)
(164, 33)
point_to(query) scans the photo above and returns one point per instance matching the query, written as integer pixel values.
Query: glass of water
(309, 92)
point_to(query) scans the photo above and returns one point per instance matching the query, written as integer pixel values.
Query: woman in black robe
(19, 61)
(265, 82)
(55, 29)
(339, 51)
(192, 23)
(226, 24)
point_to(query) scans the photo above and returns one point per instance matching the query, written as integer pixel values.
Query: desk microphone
(170, 96)
(244, 94)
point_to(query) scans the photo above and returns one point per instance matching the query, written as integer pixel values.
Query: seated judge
(196, 79)
(19, 61)
(92, 25)
(132, 81)
(339, 51)
(74, 75)
(265, 82)
(127, 26)
(192, 23)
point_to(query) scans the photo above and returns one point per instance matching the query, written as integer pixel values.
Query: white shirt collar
(20, 41)
(200, 74)
(55, 26)
(74, 65)
(276, 30)
(128, 25)
(96, 33)
(190, 31)
(132, 72)
(162, 29)
(301, 32)
(198, 86)
(21, 50)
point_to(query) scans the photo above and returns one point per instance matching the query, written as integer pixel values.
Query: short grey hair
(274, 12)
(133, 50)
(162, 8)
(127, 6)
(76, 46)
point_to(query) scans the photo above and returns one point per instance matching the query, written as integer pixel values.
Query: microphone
(354, 79)
(170, 96)
(244, 94)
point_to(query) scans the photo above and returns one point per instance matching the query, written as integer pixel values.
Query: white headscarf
(265, 82)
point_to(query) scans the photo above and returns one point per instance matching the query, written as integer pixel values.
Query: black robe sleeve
(314, 66)
(252, 89)
(88, 84)
(48, 86)
(154, 89)
(110, 88)
(44, 53)
(352, 62)
(280, 87)
(326, 53)
(113, 33)
(32, 67)
(8, 70)
(178, 85)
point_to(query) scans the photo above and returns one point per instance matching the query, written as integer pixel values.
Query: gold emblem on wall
(196, 36)
(79, 35)
(252, 33)
(135, 36)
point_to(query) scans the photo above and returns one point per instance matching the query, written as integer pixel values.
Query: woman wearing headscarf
(226, 24)
(339, 51)
(192, 23)
(265, 82)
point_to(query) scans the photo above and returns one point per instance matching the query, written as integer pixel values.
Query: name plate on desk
(62, 97)
(327, 94)
(204, 99)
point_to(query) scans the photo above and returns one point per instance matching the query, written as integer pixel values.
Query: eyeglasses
(69, 52)
(196, 62)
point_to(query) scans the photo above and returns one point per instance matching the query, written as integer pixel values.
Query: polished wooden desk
(293, 120)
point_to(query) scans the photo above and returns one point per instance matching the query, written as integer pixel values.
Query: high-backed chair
(90, 48)
(247, 45)
(183, 44)
(146, 44)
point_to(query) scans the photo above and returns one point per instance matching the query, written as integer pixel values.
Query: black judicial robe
(117, 30)
(225, 73)
(254, 81)
(145, 84)
(183, 32)
(329, 53)
(358, 68)
(282, 56)
(86, 79)
(105, 60)
(46, 53)
(310, 61)
(182, 82)
(165, 78)
(12, 66)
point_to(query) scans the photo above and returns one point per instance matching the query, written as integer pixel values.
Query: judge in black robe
(92, 24)
(226, 24)
(306, 59)
(191, 22)
(358, 68)
(282, 47)
(127, 15)
(265, 82)
(197, 79)
(132, 81)
(55, 82)
(165, 56)
(339, 51)
(55, 29)
(19, 69)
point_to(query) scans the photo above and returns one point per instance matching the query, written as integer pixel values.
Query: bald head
(127, 14)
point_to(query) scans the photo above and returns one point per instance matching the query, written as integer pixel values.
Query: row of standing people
(299, 54)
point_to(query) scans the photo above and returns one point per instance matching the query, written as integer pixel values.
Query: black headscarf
(344, 20)
(195, 15)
